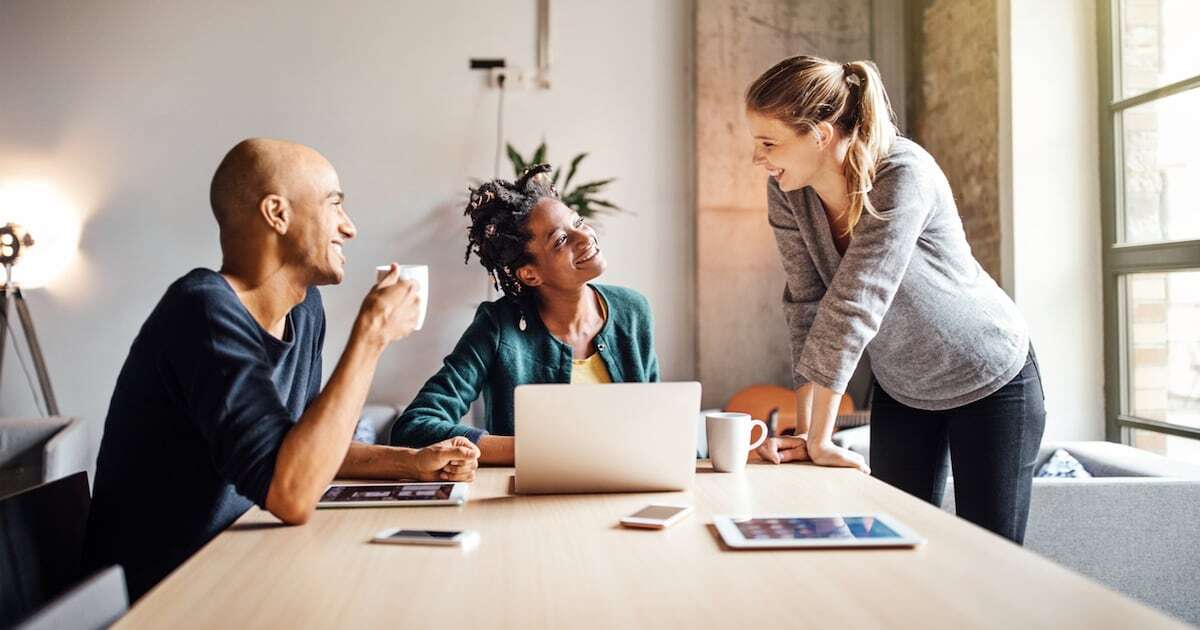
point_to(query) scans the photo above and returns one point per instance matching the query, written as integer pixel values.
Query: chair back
(97, 602)
(776, 406)
(41, 544)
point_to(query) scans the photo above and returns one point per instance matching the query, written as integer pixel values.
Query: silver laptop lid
(619, 437)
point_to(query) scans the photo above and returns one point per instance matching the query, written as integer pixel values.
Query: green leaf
(518, 162)
(582, 199)
(571, 171)
(595, 186)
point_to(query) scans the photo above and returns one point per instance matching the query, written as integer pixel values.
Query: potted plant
(584, 198)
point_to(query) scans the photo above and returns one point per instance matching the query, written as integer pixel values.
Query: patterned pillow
(365, 432)
(1062, 464)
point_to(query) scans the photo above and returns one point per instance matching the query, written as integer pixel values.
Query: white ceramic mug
(416, 273)
(728, 437)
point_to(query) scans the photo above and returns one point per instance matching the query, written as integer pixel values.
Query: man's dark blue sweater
(200, 410)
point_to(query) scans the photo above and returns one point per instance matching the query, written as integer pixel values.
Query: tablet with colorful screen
(392, 494)
(809, 531)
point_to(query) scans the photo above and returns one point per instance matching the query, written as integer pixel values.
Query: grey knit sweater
(939, 331)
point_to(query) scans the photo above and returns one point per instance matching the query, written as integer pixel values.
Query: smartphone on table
(439, 537)
(657, 516)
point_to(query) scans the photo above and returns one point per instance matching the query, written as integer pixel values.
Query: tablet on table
(392, 494)
(814, 531)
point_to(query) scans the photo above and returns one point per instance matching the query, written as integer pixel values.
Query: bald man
(219, 404)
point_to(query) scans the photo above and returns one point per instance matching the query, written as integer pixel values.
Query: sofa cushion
(1109, 459)
(1062, 465)
(375, 424)
(39, 450)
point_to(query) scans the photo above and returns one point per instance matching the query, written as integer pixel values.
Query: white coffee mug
(416, 273)
(728, 437)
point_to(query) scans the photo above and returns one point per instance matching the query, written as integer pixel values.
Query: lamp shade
(54, 224)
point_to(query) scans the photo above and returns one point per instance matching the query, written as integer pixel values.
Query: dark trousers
(992, 443)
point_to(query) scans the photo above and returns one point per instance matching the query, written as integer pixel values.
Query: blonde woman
(877, 262)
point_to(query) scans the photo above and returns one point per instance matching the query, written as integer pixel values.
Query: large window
(1150, 168)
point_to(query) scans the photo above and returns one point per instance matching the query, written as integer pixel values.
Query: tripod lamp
(13, 241)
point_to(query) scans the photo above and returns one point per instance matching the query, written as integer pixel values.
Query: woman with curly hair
(553, 325)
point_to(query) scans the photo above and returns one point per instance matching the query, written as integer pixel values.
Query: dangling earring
(521, 325)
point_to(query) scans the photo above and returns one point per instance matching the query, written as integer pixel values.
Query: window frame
(1120, 260)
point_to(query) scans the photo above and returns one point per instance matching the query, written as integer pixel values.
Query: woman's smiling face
(790, 158)
(566, 254)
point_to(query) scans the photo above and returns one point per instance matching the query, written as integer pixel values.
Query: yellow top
(591, 371)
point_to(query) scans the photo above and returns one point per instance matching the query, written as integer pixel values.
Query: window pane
(1164, 337)
(1161, 169)
(1172, 446)
(1158, 43)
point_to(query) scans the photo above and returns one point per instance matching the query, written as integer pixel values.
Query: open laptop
(619, 437)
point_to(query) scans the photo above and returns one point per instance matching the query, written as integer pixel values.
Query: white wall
(127, 106)
(1051, 92)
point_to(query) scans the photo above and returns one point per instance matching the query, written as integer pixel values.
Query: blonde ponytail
(871, 136)
(803, 91)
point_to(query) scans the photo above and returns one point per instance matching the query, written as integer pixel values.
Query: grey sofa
(1134, 526)
(375, 423)
(34, 451)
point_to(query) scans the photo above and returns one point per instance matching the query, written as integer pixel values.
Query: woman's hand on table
(788, 448)
(830, 454)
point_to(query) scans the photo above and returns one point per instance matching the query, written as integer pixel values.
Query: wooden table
(563, 561)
